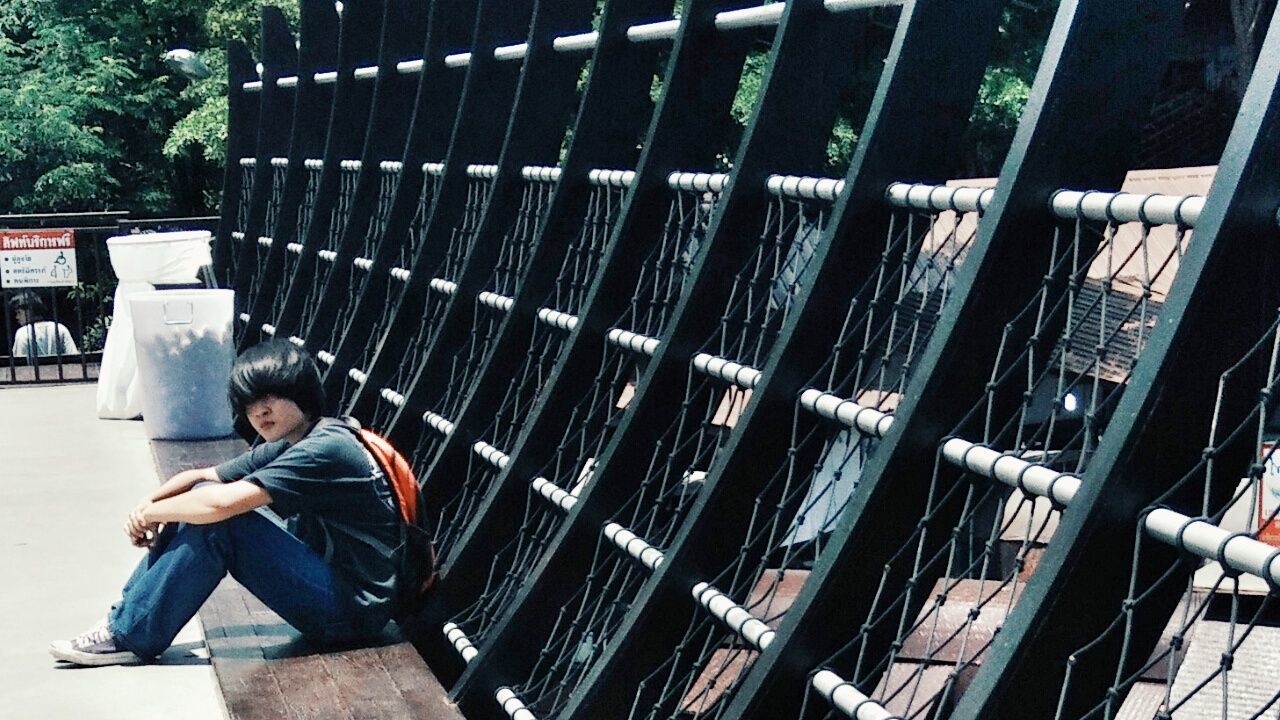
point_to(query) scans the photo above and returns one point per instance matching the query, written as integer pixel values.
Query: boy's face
(276, 418)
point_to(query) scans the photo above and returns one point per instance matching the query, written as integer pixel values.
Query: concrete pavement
(66, 483)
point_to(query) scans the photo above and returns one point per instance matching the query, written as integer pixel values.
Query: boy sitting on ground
(328, 571)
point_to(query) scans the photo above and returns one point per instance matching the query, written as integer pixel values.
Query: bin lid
(160, 237)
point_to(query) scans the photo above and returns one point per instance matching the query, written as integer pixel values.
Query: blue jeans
(173, 581)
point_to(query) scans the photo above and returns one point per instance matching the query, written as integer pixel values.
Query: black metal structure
(708, 434)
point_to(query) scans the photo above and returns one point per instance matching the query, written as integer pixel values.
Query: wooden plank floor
(265, 670)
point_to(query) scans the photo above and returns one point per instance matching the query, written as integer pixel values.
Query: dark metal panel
(477, 138)
(242, 130)
(1227, 277)
(403, 31)
(1101, 66)
(349, 113)
(926, 90)
(317, 52)
(700, 84)
(279, 58)
(435, 105)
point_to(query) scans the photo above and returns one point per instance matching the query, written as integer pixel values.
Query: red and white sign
(37, 258)
(1269, 495)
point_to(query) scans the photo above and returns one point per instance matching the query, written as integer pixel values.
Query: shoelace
(99, 633)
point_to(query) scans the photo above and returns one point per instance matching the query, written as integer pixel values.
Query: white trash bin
(185, 349)
(141, 261)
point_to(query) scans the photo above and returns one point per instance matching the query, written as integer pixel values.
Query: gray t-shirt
(335, 499)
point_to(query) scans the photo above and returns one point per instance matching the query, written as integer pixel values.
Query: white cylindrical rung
(442, 286)
(556, 494)
(325, 357)
(265, 241)
(512, 705)
(438, 423)
(409, 67)
(635, 342)
(491, 454)
(648, 32)
(576, 43)
(280, 162)
(612, 178)
(846, 698)
(327, 255)
(1039, 480)
(482, 172)
(349, 165)
(1122, 207)
(295, 248)
(392, 397)
(511, 52)
(269, 329)
(698, 181)
(399, 273)
(540, 173)
(868, 421)
(358, 375)
(366, 73)
(839, 6)
(496, 301)
(325, 78)
(555, 318)
(757, 16)
(390, 166)
(313, 164)
(365, 264)
(297, 341)
(248, 161)
(1201, 537)
(939, 197)
(244, 317)
(457, 60)
(459, 641)
(433, 168)
(801, 186)
(237, 235)
(253, 86)
(744, 376)
(633, 545)
(287, 82)
(734, 616)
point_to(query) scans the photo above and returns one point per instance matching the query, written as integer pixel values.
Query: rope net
(1216, 655)
(892, 316)
(349, 173)
(590, 425)
(362, 264)
(247, 167)
(491, 308)
(262, 246)
(441, 288)
(1003, 476)
(306, 208)
(354, 378)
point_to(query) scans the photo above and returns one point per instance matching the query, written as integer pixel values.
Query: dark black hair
(279, 368)
(29, 302)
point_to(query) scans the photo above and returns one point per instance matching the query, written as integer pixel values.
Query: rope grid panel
(262, 246)
(327, 255)
(1063, 361)
(313, 168)
(1216, 656)
(885, 328)
(591, 423)
(442, 287)
(355, 376)
(362, 264)
(248, 166)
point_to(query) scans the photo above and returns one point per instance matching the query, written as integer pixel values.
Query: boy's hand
(138, 530)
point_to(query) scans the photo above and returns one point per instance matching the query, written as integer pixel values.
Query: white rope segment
(866, 420)
(540, 173)
(846, 698)
(698, 181)
(1123, 207)
(325, 357)
(803, 187)
(442, 286)
(1059, 487)
(734, 616)
(512, 705)
(501, 303)
(269, 329)
(392, 397)
(482, 172)
(557, 319)
(1238, 551)
(744, 376)
(633, 545)
(491, 454)
(438, 422)
(280, 162)
(557, 495)
(635, 342)
(612, 178)
(917, 196)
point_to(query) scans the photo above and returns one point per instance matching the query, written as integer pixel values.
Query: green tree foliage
(92, 119)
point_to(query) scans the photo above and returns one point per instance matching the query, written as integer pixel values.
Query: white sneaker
(96, 646)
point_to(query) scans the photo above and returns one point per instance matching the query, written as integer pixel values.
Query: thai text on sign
(37, 258)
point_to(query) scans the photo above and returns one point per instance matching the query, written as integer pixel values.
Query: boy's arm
(205, 504)
(181, 483)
